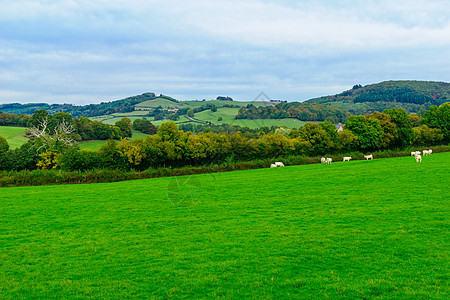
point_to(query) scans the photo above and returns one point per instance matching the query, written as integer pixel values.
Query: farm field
(220, 103)
(362, 229)
(15, 136)
(97, 144)
(164, 103)
(228, 114)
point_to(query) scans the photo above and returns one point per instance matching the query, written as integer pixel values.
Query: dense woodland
(172, 147)
(413, 96)
(301, 111)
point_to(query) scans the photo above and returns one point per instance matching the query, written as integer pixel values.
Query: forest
(300, 111)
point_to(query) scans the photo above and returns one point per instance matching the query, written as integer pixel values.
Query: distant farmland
(15, 136)
(362, 229)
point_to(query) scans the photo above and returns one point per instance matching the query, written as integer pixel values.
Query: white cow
(323, 160)
(328, 160)
(427, 152)
(367, 157)
(418, 158)
(347, 158)
(415, 153)
(277, 164)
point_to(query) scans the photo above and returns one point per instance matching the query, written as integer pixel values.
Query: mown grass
(15, 136)
(362, 229)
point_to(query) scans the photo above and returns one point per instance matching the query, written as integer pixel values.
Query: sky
(90, 51)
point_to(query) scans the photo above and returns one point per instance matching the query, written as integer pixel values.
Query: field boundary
(53, 177)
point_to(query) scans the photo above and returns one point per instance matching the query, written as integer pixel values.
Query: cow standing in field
(418, 158)
(427, 152)
(346, 158)
(367, 157)
(328, 160)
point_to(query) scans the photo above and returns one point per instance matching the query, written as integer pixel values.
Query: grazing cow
(279, 164)
(273, 166)
(367, 157)
(328, 160)
(415, 153)
(347, 158)
(427, 152)
(323, 160)
(418, 158)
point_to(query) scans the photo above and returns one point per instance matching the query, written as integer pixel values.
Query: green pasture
(97, 144)
(164, 103)
(356, 230)
(15, 136)
(112, 119)
(221, 103)
(228, 115)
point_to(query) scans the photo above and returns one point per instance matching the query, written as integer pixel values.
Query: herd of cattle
(328, 160)
(416, 154)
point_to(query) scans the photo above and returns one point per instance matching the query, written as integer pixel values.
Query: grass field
(97, 144)
(15, 136)
(228, 114)
(164, 103)
(363, 229)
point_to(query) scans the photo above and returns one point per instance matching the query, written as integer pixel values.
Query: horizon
(84, 52)
(256, 99)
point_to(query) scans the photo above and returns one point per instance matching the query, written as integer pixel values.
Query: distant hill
(146, 101)
(91, 110)
(412, 96)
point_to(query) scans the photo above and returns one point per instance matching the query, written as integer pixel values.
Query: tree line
(300, 111)
(173, 147)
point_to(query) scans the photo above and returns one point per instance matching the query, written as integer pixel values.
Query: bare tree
(61, 137)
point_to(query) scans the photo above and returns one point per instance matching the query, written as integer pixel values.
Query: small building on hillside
(339, 128)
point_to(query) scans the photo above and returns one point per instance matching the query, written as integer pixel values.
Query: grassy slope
(15, 136)
(164, 103)
(228, 114)
(362, 229)
(97, 144)
(220, 103)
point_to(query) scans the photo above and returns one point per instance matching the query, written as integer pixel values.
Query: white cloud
(290, 49)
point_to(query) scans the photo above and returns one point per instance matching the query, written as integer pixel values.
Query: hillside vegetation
(91, 110)
(413, 96)
(296, 232)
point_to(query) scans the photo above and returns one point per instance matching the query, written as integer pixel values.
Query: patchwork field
(362, 229)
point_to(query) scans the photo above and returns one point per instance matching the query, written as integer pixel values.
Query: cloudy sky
(88, 51)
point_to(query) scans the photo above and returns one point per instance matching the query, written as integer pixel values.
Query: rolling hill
(412, 96)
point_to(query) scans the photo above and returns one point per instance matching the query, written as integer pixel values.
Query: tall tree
(126, 129)
(404, 128)
(368, 131)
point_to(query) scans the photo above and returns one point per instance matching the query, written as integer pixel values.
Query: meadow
(228, 115)
(360, 229)
(97, 144)
(15, 136)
